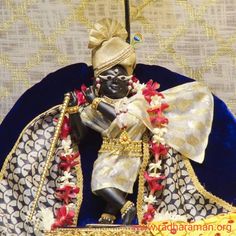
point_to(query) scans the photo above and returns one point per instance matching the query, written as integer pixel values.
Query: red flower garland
(158, 150)
(151, 90)
(68, 161)
(157, 117)
(67, 193)
(158, 120)
(149, 214)
(65, 129)
(64, 217)
(153, 182)
(80, 96)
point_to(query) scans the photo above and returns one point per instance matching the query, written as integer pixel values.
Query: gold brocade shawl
(190, 115)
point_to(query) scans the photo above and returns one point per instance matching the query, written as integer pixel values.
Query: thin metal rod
(50, 155)
(127, 19)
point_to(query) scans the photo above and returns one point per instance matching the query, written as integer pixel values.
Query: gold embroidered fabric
(190, 118)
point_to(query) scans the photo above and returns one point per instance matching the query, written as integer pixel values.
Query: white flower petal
(156, 101)
(155, 165)
(47, 218)
(150, 199)
(164, 216)
(155, 174)
(66, 176)
(70, 206)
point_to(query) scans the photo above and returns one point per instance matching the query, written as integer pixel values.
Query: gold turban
(107, 41)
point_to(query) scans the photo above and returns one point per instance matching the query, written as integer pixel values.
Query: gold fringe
(141, 180)
(203, 191)
(79, 199)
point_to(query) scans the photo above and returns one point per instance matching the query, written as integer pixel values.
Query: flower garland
(158, 148)
(69, 159)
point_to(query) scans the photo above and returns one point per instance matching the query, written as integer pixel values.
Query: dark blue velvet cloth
(217, 173)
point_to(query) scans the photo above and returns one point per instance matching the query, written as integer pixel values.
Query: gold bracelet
(72, 110)
(127, 206)
(95, 103)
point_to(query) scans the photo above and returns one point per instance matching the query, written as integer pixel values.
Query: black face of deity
(114, 82)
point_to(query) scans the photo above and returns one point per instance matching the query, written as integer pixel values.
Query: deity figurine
(106, 111)
(177, 145)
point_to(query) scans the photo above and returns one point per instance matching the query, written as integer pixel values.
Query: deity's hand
(73, 99)
(89, 94)
(106, 109)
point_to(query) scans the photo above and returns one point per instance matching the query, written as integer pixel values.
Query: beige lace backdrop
(196, 38)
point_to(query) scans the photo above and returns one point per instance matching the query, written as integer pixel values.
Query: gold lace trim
(203, 191)
(79, 199)
(141, 181)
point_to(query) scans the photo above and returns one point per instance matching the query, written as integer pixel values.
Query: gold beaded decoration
(72, 110)
(95, 103)
(127, 206)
